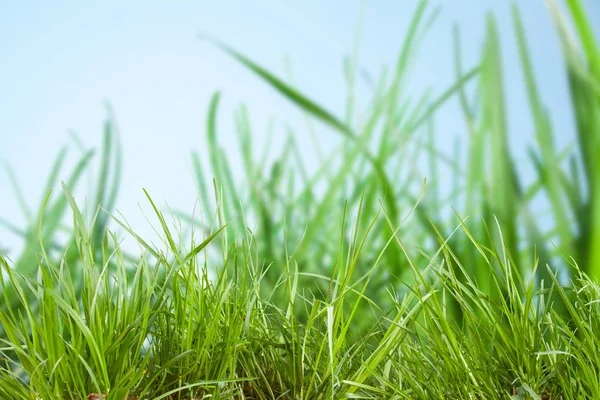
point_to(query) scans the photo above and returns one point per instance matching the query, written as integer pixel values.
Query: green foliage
(55, 208)
(405, 302)
(200, 326)
(287, 202)
(385, 141)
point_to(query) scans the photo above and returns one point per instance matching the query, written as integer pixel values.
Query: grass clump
(396, 305)
(162, 327)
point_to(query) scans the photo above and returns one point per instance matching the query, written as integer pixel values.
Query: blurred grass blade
(18, 192)
(289, 92)
(586, 35)
(545, 139)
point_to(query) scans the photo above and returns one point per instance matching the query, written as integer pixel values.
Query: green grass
(105, 186)
(161, 326)
(363, 289)
(380, 152)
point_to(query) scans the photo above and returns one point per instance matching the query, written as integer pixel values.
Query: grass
(160, 328)
(381, 152)
(365, 289)
(104, 194)
(278, 195)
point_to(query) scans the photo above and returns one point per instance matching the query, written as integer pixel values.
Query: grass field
(362, 290)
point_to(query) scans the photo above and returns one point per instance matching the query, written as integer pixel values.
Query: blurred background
(63, 61)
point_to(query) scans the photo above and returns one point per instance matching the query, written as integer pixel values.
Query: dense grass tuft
(398, 301)
(162, 327)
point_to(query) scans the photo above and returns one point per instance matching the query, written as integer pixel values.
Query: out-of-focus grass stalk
(582, 58)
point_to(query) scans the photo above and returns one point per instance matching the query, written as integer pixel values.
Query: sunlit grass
(352, 282)
(166, 329)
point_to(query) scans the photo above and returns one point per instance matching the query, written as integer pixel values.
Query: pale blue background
(62, 59)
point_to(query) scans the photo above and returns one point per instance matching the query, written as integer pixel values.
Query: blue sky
(62, 60)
